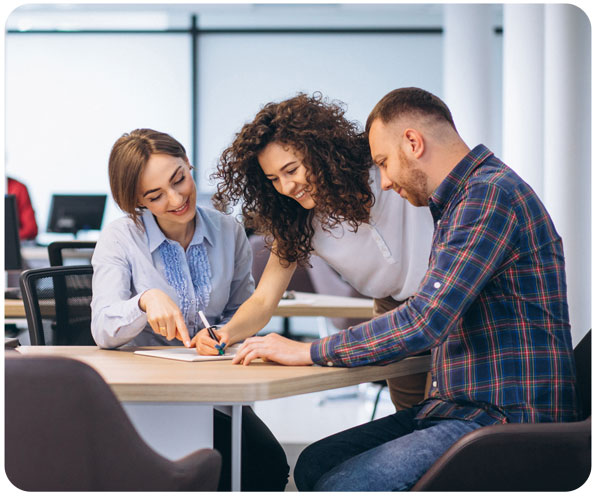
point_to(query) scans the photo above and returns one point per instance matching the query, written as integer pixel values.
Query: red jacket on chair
(28, 228)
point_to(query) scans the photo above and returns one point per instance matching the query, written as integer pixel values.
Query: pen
(211, 333)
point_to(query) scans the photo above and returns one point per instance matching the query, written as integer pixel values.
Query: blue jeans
(387, 454)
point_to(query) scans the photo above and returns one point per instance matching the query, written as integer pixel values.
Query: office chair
(523, 456)
(66, 431)
(56, 249)
(60, 296)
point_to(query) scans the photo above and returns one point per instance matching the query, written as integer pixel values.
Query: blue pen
(211, 332)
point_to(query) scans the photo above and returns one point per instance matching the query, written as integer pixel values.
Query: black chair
(66, 431)
(57, 250)
(525, 456)
(59, 297)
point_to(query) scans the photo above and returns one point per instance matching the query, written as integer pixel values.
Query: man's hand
(274, 347)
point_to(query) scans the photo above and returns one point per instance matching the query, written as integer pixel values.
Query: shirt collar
(205, 229)
(457, 178)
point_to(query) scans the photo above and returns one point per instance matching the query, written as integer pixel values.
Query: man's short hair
(410, 101)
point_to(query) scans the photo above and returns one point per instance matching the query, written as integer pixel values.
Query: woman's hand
(164, 315)
(274, 347)
(206, 345)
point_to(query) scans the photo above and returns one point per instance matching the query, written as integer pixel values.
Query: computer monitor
(12, 243)
(73, 213)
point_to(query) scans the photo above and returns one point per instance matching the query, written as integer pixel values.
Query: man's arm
(473, 242)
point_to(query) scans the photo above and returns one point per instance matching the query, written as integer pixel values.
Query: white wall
(242, 72)
(70, 96)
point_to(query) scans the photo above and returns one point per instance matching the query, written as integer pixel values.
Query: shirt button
(438, 222)
(434, 384)
(437, 284)
(329, 363)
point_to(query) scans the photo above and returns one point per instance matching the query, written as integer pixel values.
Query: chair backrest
(58, 250)
(300, 281)
(57, 304)
(521, 456)
(583, 364)
(66, 431)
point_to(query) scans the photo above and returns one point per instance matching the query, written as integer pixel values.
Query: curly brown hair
(337, 158)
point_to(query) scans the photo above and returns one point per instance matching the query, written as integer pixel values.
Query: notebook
(185, 354)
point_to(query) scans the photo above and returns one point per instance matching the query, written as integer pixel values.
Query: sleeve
(242, 283)
(479, 235)
(116, 315)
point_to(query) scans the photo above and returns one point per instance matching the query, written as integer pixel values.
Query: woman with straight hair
(166, 260)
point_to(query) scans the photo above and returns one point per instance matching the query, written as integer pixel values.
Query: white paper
(185, 354)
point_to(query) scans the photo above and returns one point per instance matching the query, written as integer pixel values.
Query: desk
(14, 308)
(37, 255)
(329, 306)
(157, 384)
(305, 304)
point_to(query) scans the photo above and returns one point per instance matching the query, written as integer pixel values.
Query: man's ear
(415, 142)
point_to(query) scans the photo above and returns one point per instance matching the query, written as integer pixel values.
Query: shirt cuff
(323, 352)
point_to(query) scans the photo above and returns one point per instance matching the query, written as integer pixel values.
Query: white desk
(305, 304)
(156, 388)
(329, 306)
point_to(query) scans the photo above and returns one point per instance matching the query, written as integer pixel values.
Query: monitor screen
(73, 213)
(12, 243)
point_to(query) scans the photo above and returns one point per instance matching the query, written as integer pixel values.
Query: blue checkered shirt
(492, 306)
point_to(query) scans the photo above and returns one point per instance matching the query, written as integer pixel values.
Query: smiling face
(398, 171)
(283, 166)
(166, 188)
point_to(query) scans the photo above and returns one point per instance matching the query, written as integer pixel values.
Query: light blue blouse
(212, 275)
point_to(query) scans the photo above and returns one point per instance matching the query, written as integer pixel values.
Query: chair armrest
(515, 457)
(198, 471)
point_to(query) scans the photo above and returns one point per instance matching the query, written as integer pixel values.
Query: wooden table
(150, 385)
(14, 308)
(305, 304)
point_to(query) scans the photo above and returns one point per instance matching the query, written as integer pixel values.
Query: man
(492, 307)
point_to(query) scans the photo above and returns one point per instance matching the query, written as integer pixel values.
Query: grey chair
(522, 457)
(57, 304)
(66, 431)
(300, 281)
(57, 252)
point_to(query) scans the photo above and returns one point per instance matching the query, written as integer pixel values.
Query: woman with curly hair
(306, 181)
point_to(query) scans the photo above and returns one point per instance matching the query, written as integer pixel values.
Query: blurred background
(517, 78)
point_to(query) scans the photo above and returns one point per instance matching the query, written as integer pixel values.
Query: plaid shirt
(492, 306)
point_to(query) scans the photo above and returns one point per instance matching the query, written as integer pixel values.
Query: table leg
(236, 447)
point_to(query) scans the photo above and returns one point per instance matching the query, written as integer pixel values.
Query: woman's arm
(116, 315)
(254, 313)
